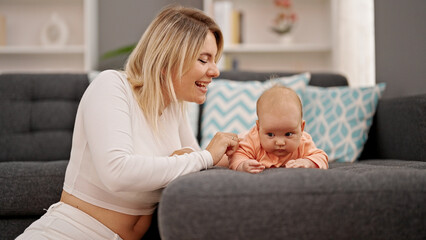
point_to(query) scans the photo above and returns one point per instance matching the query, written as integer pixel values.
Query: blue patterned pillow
(339, 118)
(231, 105)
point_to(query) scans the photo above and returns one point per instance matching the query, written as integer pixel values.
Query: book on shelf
(229, 21)
(2, 30)
(236, 26)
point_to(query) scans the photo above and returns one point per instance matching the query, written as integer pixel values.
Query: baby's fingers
(254, 163)
(255, 166)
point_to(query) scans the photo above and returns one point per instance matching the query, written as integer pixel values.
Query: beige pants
(62, 221)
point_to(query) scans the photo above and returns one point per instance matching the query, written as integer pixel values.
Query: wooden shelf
(71, 49)
(311, 47)
(24, 51)
(276, 48)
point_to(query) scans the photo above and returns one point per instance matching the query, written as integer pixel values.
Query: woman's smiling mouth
(202, 85)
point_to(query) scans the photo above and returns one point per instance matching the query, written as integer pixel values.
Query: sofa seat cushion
(29, 187)
(381, 199)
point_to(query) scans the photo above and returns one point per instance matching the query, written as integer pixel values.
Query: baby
(278, 139)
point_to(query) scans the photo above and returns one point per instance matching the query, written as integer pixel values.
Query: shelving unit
(276, 48)
(24, 51)
(261, 50)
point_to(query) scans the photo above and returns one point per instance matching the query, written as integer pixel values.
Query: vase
(55, 32)
(286, 38)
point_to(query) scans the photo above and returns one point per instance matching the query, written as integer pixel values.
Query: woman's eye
(202, 61)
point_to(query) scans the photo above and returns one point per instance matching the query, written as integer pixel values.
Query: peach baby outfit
(250, 148)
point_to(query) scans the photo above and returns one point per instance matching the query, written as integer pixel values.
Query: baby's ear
(303, 125)
(257, 123)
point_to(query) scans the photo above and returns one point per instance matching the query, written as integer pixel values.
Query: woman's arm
(107, 123)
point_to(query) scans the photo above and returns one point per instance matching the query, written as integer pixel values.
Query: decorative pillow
(339, 118)
(231, 105)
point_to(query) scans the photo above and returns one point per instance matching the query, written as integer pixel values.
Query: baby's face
(280, 131)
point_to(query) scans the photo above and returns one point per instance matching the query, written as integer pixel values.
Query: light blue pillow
(231, 105)
(339, 118)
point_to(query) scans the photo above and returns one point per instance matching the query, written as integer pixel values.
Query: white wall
(123, 22)
(401, 46)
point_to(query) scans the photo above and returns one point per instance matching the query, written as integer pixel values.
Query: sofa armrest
(398, 130)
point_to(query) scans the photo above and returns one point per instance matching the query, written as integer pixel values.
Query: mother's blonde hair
(168, 48)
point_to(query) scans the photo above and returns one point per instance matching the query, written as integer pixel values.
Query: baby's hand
(251, 166)
(300, 163)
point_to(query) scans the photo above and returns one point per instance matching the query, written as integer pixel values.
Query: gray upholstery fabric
(398, 130)
(37, 115)
(317, 78)
(376, 198)
(29, 187)
(11, 227)
(369, 200)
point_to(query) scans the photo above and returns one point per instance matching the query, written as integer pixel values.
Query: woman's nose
(213, 71)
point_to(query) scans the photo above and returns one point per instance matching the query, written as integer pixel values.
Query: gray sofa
(37, 113)
(382, 196)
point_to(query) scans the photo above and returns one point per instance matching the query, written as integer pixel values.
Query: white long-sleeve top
(116, 161)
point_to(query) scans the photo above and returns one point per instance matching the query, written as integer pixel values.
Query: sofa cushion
(317, 78)
(29, 187)
(339, 118)
(398, 130)
(378, 199)
(231, 105)
(37, 115)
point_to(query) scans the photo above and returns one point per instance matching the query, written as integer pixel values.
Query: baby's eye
(270, 134)
(289, 134)
(202, 61)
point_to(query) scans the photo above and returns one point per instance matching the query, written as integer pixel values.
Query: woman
(131, 136)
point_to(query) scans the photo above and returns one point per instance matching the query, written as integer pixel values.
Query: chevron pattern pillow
(339, 118)
(231, 105)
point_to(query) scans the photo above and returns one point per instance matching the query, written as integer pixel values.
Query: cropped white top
(116, 161)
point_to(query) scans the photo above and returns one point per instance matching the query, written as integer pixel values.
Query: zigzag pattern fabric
(231, 105)
(339, 118)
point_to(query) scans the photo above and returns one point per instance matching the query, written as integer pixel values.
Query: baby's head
(280, 120)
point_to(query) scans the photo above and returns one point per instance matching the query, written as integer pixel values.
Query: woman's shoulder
(110, 75)
(111, 79)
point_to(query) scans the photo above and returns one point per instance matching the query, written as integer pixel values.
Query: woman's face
(192, 87)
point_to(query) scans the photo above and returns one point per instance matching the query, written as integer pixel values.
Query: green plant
(126, 50)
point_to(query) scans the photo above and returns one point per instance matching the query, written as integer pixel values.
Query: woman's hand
(182, 151)
(222, 143)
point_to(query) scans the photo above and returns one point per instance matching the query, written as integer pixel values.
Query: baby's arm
(309, 155)
(244, 158)
(300, 163)
(251, 166)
